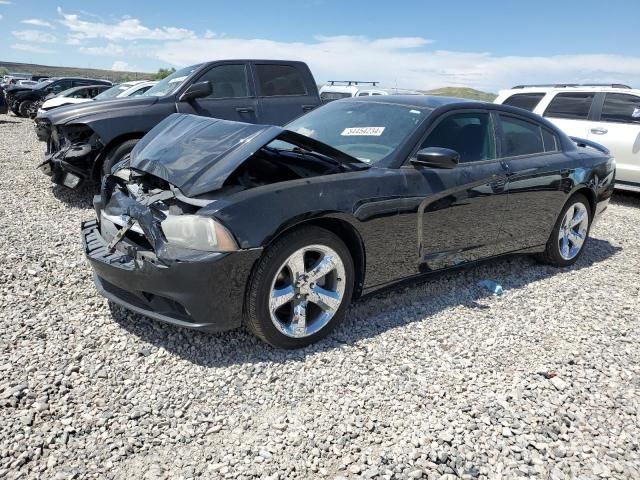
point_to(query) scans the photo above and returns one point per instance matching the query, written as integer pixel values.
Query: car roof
(427, 101)
(576, 89)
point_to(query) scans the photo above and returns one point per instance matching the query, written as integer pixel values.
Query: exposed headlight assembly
(198, 233)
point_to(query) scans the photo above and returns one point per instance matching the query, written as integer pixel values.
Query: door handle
(307, 108)
(599, 131)
(245, 110)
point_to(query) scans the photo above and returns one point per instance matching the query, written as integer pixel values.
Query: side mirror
(196, 90)
(436, 157)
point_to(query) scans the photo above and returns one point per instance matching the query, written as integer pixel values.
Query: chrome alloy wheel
(573, 231)
(307, 291)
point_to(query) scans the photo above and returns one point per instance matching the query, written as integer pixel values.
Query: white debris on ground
(440, 379)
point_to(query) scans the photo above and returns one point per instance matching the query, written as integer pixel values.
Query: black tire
(24, 108)
(257, 314)
(117, 154)
(552, 254)
(15, 108)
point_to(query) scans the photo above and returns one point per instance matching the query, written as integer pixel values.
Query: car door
(282, 93)
(618, 128)
(460, 215)
(571, 112)
(232, 94)
(537, 170)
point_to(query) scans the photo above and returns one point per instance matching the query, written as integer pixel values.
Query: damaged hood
(70, 113)
(197, 154)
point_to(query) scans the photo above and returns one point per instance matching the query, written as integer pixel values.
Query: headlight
(198, 233)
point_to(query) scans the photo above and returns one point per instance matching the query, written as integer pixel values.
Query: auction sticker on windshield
(362, 131)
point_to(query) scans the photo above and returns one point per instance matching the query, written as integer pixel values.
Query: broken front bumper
(72, 166)
(204, 292)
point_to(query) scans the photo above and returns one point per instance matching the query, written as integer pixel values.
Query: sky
(488, 45)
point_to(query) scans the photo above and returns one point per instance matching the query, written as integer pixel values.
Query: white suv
(606, 114)
(339, 89)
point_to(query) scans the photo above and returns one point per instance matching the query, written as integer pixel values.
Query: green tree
(3, 71)
(163, 73)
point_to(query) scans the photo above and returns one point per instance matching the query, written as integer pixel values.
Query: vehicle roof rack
(566, 85)
(352, 82)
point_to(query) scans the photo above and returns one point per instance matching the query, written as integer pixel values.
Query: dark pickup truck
(84, 141)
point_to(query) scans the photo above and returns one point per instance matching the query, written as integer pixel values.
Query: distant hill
(112, 75)
(462, 92)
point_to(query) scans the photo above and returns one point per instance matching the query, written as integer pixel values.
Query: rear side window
(621, 108)
(551, 143)
(573, 106)
(469, 134)
(227, 81)
(276, 80)
(520, 137)
(527, 101)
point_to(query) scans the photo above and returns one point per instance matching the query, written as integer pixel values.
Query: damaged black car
(212, 223)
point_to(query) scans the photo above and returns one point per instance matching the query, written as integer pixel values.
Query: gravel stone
(421, 380)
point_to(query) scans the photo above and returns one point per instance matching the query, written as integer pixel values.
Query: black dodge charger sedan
(211, 223)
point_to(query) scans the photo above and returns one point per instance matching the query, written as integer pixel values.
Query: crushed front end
(71, 152)
(140, 264)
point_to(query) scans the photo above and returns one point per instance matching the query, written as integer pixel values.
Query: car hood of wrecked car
(113, 108)
(197, 154)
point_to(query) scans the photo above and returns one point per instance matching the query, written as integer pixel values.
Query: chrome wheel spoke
(326, 264)
(280, 297)
(299, 320)
(577, 239)
(568, 216)
(296, 264)
(578, 218)
(327, 300)
(564, 247)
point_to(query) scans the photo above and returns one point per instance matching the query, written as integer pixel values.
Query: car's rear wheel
(117, 154)
(25, 108)
(300, 289)
(570, 233)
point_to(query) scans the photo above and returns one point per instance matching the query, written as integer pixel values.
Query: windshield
(42, 84)
(368, 131)
(112, 92)
(170, 84)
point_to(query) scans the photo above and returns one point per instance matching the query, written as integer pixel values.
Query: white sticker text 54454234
(362, 131)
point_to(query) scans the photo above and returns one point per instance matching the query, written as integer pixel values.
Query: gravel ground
(434, 380)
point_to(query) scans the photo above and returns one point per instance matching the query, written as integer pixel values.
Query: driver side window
(469, 134)
(227, 81)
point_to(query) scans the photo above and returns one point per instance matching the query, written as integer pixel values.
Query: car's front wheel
(570, 233)
(300, 289)
(25, 108)
(117, 154)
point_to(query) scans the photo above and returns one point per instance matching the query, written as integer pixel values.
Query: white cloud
(125, 29)
(0, 17)
(121, 66)
(34, 36)
(5, 2)
(408, 62)
(110, 50)
(31, 48)
(36, 22)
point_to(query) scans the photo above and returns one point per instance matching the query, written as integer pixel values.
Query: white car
(605, 114)
(337, 89)
(126, 89)
(73, 95)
